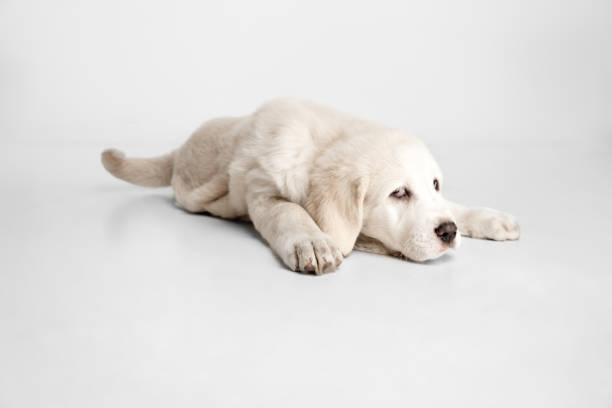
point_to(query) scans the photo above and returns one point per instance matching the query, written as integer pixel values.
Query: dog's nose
(446, 232)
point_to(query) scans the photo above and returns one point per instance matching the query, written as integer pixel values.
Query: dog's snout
(446, 232)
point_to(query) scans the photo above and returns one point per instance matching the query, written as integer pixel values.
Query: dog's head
(387, 187)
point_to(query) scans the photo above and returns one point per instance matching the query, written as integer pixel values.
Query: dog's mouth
(438, 250)
(369, 244)
(446, 247)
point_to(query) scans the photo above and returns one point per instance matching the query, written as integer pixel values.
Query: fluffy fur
(316, 183)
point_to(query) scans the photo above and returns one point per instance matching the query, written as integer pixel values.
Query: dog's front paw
(312, 254)
(497, 226)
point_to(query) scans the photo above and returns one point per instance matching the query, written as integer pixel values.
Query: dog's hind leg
(212, 197)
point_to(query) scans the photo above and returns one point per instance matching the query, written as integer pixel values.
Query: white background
(110, 296)
(502, 70)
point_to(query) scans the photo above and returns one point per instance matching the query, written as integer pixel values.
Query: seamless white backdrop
(112, 297)
(131, 70)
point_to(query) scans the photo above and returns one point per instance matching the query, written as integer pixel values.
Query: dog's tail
(152, 172)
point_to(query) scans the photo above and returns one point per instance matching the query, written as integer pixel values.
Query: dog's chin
(429, 254)
(423, 257)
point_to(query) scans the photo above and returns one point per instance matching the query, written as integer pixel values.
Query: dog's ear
(336, 205)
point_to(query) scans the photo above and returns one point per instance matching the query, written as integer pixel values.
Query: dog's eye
(401, 193)
(436, 184)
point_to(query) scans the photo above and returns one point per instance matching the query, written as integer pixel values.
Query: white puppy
(316, 183)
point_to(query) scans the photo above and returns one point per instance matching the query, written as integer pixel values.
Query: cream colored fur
(316, 184)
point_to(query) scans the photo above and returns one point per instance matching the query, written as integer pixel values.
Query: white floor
(112, 297)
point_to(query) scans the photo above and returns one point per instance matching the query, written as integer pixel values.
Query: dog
(317, 183)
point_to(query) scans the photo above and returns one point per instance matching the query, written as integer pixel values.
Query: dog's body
(313, 180)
